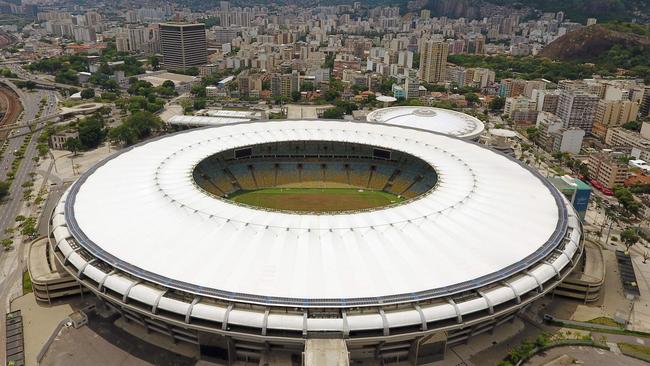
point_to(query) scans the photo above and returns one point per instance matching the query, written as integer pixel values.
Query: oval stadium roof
(428, 118)
(488, 217)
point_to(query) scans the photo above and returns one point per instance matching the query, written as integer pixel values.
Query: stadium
(439, 120)
(262, 241)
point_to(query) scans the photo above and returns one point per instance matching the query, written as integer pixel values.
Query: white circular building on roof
(440, 120)
(501, 132)
(469, 237)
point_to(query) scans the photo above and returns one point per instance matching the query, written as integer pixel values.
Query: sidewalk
(39, 321)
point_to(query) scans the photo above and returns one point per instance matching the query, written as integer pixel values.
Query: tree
(632, 126)
(629, 237)
(6, 243)
(626, 199)
(168, 84)
(346, 107)
(73, 145)
(533, 133)
(295, 96)
(28, 227)
(193, 71)
(332, 95)
(198, 91)
(91, 132)
(139, 125)
(199, 103)
(4, 189)
(333, 113)
(144, 123)
(109, 96)
(472, 98)
(497, 104)
(305, 85)
(123, 134)
(88, 93)
(154, 61)
(111, 85)
(356, 88)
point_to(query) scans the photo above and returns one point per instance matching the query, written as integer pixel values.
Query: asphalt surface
(12, 262)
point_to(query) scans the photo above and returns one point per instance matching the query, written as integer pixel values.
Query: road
(12, 261)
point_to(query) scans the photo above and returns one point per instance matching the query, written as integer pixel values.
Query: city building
(576, 191)
(554, 137)
(577, 109)
(59, 139)
(521, 109)
(512, 88)
(567, 140)
(546, 100)
(608, 168)
(621, 138)
(398, 91)
(613, 113)
(283, 85)
(182, 83)
(183, 45)
(412, 85)
(433, 61)
(250, 85)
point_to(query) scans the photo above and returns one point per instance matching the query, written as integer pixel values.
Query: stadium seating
(315, 164)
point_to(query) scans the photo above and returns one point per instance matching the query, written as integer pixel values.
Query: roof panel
(488, 214)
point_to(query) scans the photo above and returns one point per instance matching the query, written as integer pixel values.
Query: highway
(12, 261)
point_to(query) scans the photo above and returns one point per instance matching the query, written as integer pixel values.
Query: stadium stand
(314, 164)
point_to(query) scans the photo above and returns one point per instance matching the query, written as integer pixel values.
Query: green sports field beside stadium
(315, 199)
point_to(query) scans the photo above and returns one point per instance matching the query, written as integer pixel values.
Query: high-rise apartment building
(479, 47)
(183, 45)
(512, 87)
(608, 168)
(644, 108)
(412, 85)
(283, 85)
(433, 61)
(613, 113)
(577, 109)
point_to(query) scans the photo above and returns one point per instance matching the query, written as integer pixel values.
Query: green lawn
(315, 199)
(27, 283)
(635, 350)
(605, 321)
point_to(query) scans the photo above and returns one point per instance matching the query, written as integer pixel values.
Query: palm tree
(610, 215)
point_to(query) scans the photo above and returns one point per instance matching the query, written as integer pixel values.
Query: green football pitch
(315, 199)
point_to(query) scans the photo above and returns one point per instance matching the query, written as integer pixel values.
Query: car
(607, 192)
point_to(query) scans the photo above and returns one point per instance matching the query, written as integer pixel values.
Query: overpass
(44, 84)
(30, 124)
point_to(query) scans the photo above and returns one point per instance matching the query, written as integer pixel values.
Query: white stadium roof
(205, 120)
(428, 118)
(501, 132)
(487, 218)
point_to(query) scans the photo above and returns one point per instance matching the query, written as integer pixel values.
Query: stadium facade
(152, 233)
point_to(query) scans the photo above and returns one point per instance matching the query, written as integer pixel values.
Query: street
(12, 261)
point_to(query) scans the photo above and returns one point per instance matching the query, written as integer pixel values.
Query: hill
(609, 46)
(580, 10)
(576, 10)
